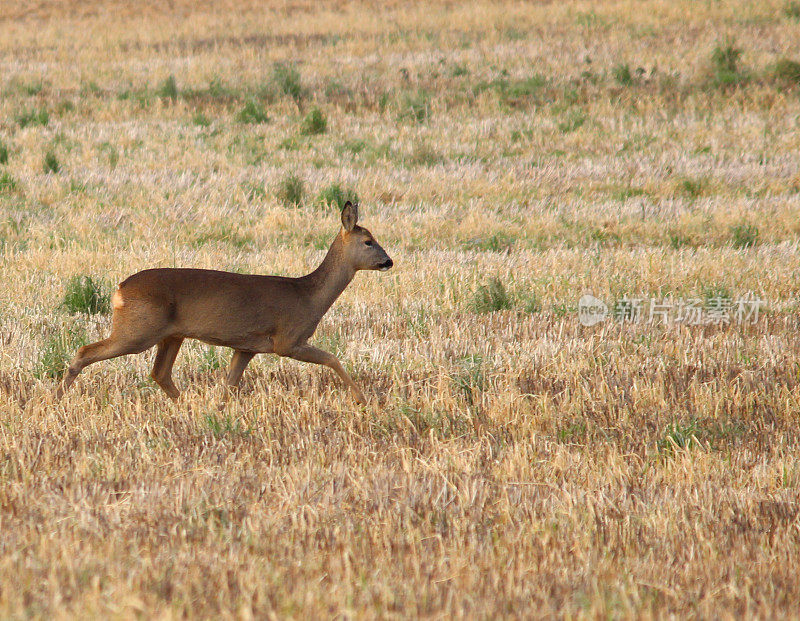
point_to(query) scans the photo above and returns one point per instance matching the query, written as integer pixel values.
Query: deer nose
(385, 265)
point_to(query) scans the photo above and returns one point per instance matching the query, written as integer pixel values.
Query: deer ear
(349, 216)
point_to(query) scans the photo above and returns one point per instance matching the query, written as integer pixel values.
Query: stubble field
(510, 157)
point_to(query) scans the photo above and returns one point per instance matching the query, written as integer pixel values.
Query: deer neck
(326, 283)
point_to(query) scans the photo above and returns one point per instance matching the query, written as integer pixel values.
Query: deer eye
(368, 242)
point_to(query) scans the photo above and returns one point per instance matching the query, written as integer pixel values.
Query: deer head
(361, 249)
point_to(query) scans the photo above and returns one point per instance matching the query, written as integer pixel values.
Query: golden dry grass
(510, 463)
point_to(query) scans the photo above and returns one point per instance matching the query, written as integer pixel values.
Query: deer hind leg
(162, 367)
(307, 353)
(135, 327)
(101, 350)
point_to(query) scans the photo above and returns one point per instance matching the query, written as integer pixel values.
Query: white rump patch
(116, 300)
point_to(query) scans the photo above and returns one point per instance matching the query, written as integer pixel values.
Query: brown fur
(250, 313)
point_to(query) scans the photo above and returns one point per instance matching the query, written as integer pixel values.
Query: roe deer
(252, 314)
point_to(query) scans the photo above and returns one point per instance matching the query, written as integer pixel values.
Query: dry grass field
(510, 157)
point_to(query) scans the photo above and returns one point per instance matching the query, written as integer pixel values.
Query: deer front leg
(307, 353)
(239, 362)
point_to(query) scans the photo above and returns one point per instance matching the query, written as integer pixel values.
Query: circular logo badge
(591, 310)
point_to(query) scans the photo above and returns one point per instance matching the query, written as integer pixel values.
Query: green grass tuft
(111, 153)
(792, 10)
(459, 71)
(679, 436)
(336, 195)
(252, 113)
(168, 89)
(726, 55)
(497, 242)
(725, 70)
(678, 240)
(7, 183)
(355, 146)
(226, 426)
(691, 188)
(201, 120)
(572, 121)
(518, 91)
(314, 123)
(291, 190)
(491, 297)
(32, 88)
(50, 163)
(83, 294)
(28, 118)
(786, 70)
(622, 74)
(287, 78)
(211, 359)
(744, 235)
(470, 379)
(57, 352)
